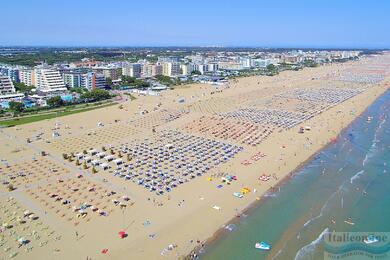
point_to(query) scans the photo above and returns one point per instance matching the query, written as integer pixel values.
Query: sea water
(350, 178)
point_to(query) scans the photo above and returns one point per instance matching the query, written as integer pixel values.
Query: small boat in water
(349, 222)
(263, 246)
(370, 240)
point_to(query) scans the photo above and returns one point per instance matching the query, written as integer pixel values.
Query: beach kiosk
(104, 166)
(101, 154)
(109, 158)
(118, 161)
(92, 152)
(95, 162)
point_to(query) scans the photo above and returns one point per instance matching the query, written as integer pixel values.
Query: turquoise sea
(350, 178)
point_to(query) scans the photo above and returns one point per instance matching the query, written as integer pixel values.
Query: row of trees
(166, 80)
(131, 81)
(21, 87)
(57, 101)
(96, 95)
(93, 95)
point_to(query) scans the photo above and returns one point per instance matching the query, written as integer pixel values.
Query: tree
(55, 101)
(165, 80)
(96, 94)
(271, 67)
(108, 81)
(77, 90)
(128, 80)
(21, 87)
(16, 107)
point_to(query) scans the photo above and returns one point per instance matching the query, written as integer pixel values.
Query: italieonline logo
(357, 245)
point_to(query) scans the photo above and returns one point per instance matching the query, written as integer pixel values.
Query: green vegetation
(108, 81)
(196, 72)
(51, 56)
(55, 102)
(16, 107)
(21, 87)
(166, 80)
(78, 90)
(96, 95)
(50, 114)
(133, 82)
(272, 70)
(310, 63)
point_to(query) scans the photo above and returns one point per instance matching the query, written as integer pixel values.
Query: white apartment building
(27, 77)
(49, 80)
(246, 62)
(6, 86)
(187, 69)
(171, 69)
(202, 68)
(147, 70)
(212, 67)
(132, 70)
(157, 69)
(261, 63)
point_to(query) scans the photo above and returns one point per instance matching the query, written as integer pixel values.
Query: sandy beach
(168, 171)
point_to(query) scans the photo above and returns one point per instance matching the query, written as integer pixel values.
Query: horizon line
(197, 46)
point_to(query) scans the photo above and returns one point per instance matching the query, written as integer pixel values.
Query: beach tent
(109, 158)
(169, 146)
(95, 162)
(92, 152)
(118, 161)
(101, 154)
(87, 159)
(104, 166)
(79, 155)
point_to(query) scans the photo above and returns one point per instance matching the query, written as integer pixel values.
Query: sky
(229, 23)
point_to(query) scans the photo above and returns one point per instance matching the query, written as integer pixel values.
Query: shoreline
(218, 234)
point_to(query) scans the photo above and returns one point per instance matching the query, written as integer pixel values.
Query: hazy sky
(272, 23)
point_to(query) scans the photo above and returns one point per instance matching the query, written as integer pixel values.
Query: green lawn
(35, 118)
